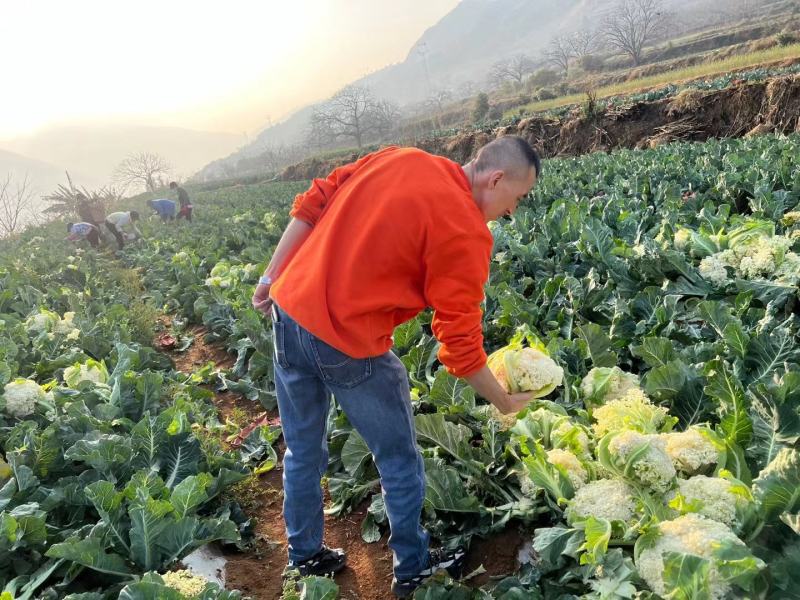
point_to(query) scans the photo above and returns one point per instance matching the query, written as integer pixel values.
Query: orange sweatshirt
(393, 233)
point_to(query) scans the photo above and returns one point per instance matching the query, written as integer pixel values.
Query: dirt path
(369, 572)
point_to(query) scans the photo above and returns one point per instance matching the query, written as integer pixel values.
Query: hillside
(460, 49)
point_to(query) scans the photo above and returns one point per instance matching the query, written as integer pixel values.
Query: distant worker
(116, 223)
(84, 231)
(164, 208)
(183, 198)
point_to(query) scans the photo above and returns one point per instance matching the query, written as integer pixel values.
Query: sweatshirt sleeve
(309, 205)
(456, 271)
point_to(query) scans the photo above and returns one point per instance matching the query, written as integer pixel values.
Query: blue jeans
(374, 394)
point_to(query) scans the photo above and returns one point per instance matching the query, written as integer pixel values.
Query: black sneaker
(326, 562)
(451, 561)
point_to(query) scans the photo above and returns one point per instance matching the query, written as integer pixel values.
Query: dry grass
(727, 65)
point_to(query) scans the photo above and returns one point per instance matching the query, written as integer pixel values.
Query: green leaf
(727, 390)
(550, 543)
(768, 352)
(189, 494)
(777, 487)
(598, 345)
(147, 524)
(451, 393)
(90, 553)
(356, 454)
(655, 351)
(445, 491)
(181, 457)
(318, 588)
(598, 535)
(686, 576)
(147, 438)
(450, 437)
(666, 382)
(108, 503)
(406, 334)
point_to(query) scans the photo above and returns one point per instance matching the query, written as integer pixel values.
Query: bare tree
(436, 102)
(17, 204)
(353, 113)
(515, 69)
(632, 24)
(583, 43)
(559, 53)
(146, 169)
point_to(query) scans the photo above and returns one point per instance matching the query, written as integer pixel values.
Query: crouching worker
(396, 232)
(183, 199)
(83, 231)
(116, 223)
(164, 208)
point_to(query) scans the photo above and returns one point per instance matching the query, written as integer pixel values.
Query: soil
(742, 109)
(368, 575)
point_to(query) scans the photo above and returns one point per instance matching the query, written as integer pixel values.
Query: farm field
(663, 282)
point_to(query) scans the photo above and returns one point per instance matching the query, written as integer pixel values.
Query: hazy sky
(217, 66)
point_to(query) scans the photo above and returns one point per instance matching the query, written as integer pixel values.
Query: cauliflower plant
(713, 270)
(570, 435)
(48, 323)
(791, 218)
(682, 238)
(21, 396)
(757, 257)
(633, 410)
(693, 450)
(603, 384)
(638, 457)
(610, 499)
(185, 582)
(713, 497)
(698, 536)
(525, 370)
(92, 371)
(575, 470)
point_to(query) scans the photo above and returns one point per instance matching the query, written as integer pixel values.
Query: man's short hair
(69, 227)
(173, 184)
(509, 153)
(134, 215)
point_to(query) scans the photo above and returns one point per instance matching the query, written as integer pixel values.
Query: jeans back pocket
(337, 367)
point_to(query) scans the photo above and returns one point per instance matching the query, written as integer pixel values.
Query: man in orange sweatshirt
(368, 248)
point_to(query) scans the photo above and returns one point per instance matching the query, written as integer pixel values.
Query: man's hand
(487, 386)
(261, 300)
(515, 402)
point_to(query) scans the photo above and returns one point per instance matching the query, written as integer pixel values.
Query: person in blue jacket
(164, 208)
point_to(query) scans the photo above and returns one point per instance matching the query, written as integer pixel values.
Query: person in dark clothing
(183, 199)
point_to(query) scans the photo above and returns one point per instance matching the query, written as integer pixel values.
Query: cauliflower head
(603, 384)
(716, 498)
(573, 467)
(92, 371)
(610, 499)
(525, 370)
(638, 457)
(693, 450)
(633, 410)
(21, 396)
(185, 582)
(690, 534)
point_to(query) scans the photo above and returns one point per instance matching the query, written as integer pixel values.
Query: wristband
(265, 280)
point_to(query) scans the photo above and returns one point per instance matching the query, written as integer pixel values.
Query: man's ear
(495, 178)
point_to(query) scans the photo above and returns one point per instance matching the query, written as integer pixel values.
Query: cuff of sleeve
(466, 369)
